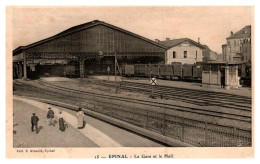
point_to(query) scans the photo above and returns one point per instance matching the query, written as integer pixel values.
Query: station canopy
(91, 40)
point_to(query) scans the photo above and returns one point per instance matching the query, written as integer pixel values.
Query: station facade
(183, 50)
(88, 48)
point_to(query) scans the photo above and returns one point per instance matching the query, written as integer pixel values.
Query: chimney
(231, 33)
(199, 40)
(167, 39)
(157, 40)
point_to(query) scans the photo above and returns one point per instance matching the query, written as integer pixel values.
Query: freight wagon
(140, 70)
(197, 71)
(175, 70)
(244, 72)
(165, 71)
(187, 71)
(128, 70)
(153, 70)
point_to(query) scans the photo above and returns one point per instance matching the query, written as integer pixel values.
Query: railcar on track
(181, 71)
(175, 70)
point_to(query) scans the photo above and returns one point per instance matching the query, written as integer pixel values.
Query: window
(185, 54)
(196, 55)
(173, 54)
(228, 43)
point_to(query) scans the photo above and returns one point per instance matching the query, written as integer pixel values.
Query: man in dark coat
(34, 121)
(50, 116)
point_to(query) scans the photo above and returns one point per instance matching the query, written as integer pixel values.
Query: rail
(197, 133)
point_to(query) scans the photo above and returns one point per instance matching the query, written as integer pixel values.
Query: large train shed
(85, 49)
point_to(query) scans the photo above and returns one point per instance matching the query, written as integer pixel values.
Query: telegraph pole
(114, 51)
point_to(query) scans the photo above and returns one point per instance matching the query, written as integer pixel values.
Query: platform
(95, 134)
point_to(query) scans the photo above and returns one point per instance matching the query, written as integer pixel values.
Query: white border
(5, 3)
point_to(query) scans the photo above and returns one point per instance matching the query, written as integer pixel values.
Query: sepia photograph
(130, 81)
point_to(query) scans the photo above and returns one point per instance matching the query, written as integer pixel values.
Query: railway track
(201, 98)
(189, 130)
(216, 114)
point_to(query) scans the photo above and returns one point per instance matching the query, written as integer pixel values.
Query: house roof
(243, 33)
(82, 27)
(206, 47)
(171, 43)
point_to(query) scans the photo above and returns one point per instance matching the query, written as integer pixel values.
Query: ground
(106, 135)
(96, 133)
(48, 136)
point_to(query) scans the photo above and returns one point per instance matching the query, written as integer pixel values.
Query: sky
(211, 24)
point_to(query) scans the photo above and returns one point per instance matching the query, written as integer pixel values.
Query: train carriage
(69, 71)
(197, 71)
(128, 70)
(187, 71)
(177, 69)
(166, 71)
(140, 70)
(153, 69)
(244, 72)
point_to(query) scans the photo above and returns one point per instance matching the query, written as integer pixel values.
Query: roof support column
(165, 58)
(24, 66)
(237, 79)
(210, 74)
(227, 82)
(20, 70)
(219, 76)
(82, 68)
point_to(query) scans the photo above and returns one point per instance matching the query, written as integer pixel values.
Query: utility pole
(114, 51)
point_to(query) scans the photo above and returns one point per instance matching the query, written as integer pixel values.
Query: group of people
(62, 124)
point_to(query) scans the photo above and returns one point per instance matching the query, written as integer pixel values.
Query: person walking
(80, 116)
(50, 116)
(61, 122)
(34, 122)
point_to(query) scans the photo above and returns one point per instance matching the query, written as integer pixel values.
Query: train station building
(88, 48)
(183, 50)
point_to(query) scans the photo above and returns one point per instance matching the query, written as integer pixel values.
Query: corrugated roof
(244, 32)
(82, 27)
(175, 42)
